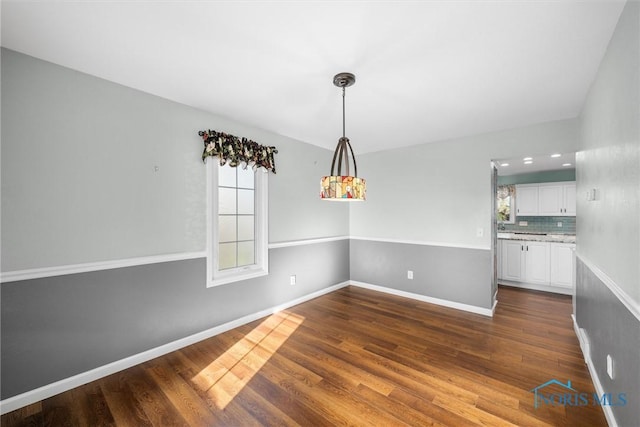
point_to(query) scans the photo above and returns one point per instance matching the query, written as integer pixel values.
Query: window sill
(237, 276)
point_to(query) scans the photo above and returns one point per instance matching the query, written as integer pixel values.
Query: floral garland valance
(234, 151)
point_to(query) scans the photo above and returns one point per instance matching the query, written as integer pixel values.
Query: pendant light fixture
(339, 187)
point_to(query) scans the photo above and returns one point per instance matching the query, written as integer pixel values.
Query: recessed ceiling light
(527, 158)
(504, 164)
(566, 164)
(528, 162)
(556, 155)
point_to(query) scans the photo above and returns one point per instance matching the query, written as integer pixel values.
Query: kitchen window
(237, 217)
(506, 204)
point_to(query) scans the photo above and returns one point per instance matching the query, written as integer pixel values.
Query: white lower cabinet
(525, 261)
(563, 264)
(512, 260)
(538, 265)
(536, 258)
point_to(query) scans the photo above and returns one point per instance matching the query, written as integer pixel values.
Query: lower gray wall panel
(611, 329)
(460, 275)
(57, 327)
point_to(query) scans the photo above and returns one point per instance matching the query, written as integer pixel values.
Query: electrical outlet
(409, 274)
(559, 224)
(523, 223)
(292, 279)
(610, 366)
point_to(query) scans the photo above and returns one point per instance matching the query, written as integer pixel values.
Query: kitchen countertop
(532, 237)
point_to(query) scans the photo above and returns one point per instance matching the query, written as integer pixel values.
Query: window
(237, 238)
(506, 204)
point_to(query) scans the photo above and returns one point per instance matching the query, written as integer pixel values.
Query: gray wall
(440, 194)
(608, 229)
(78, 185)
(611, 329)
(454, 274)
(57, 327)
(78, 157)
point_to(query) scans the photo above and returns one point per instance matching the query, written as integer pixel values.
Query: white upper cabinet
(569, 196)
(557, 199)
(526, 200)
(552, 199)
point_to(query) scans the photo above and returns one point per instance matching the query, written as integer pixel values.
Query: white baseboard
(446, 303)
(66, 384)
(586, 352)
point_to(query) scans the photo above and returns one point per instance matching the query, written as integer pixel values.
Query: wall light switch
(292, 279)
(609, 366)
(409, 274)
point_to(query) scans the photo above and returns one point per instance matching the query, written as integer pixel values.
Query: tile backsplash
(543, 224)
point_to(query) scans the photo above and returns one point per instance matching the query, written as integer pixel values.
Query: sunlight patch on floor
(226, 376)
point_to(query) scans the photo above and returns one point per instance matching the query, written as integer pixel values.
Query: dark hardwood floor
(352, 357)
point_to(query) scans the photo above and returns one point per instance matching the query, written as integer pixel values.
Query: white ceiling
(538, 163)
(426, 71)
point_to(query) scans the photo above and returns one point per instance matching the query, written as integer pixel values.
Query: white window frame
(216, 277)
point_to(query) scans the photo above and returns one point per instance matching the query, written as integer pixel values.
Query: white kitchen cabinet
(513, 260)
(525, 261)
(562, 271)
(569, 196)
(536, 259)
(550, 200)
(527, 200)
(545, 266)
(557, 199)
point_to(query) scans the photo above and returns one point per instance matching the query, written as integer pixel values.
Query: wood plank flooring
(352, 357)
